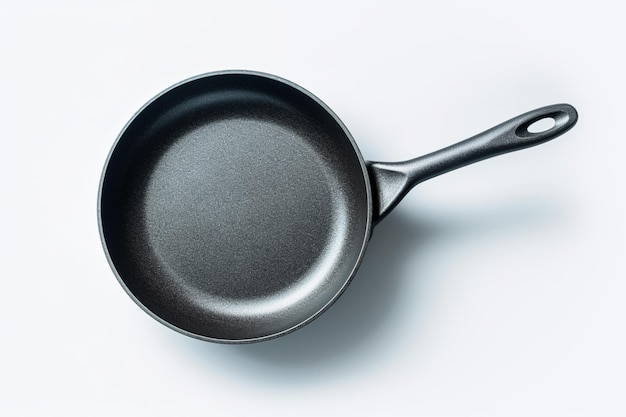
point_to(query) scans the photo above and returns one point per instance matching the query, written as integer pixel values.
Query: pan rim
(348, 136)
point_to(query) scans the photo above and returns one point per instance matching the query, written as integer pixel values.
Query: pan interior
(234, 207)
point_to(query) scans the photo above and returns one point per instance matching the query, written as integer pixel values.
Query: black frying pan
(236, 207)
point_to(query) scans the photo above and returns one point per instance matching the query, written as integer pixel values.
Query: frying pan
(236, 207)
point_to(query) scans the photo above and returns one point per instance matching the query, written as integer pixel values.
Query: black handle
(391, 181)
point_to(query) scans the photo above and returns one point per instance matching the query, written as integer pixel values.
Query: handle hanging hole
(541, 125)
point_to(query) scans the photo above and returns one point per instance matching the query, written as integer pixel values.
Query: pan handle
(391, 181)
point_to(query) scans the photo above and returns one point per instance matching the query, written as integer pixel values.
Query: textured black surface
(235, 207)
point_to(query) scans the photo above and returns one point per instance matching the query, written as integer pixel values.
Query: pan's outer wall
(130, 250)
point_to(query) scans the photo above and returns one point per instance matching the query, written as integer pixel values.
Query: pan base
(240, 214)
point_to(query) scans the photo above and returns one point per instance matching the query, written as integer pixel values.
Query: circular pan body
(234, 207)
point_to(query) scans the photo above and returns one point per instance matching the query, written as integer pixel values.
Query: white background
(495, 290)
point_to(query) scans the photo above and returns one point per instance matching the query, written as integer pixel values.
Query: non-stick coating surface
(235, 207)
